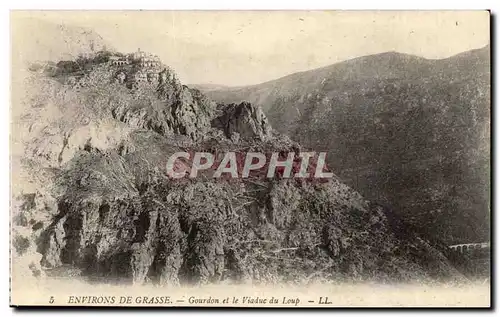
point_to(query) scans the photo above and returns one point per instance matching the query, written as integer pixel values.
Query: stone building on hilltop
(137, 55)
(146, 68)
(118, 60)
(144, 59)
(149, 61)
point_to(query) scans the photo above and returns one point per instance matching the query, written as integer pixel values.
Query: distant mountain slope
(102, 208)
(208, 87)
(407, 131)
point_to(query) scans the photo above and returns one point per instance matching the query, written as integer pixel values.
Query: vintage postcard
(250, 158)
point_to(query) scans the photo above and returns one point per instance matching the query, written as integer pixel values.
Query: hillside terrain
(96, 201)
(407, 132)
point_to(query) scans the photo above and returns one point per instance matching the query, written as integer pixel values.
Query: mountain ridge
(104, 126)
(363, 102)
(216, 86)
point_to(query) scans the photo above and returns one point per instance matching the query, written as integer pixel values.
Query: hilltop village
(104, 208)
(141, 67)
(134, 70)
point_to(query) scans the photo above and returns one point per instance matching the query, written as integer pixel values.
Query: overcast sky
(249, 47)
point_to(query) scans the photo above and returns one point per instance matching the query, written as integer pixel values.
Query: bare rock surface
(109, 213)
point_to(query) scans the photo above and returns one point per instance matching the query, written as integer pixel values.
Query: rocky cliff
(101, 206)
(409, 132)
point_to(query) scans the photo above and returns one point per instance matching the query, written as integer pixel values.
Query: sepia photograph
(320, 159)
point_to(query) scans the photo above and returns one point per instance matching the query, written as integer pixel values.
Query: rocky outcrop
(243, 120)
(31, 212)
(118, 217)
(404, 130)
(175, 109)
(191, 113)
(204, 231)
(123, 239)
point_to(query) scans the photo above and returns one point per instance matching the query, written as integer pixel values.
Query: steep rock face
(113, 224)
(30, 216)
(118, 217)
(192, 112)
(166, 106)
(244, 120)
(406, 131)
(122, 240)
(205, 231)
(60, 118)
